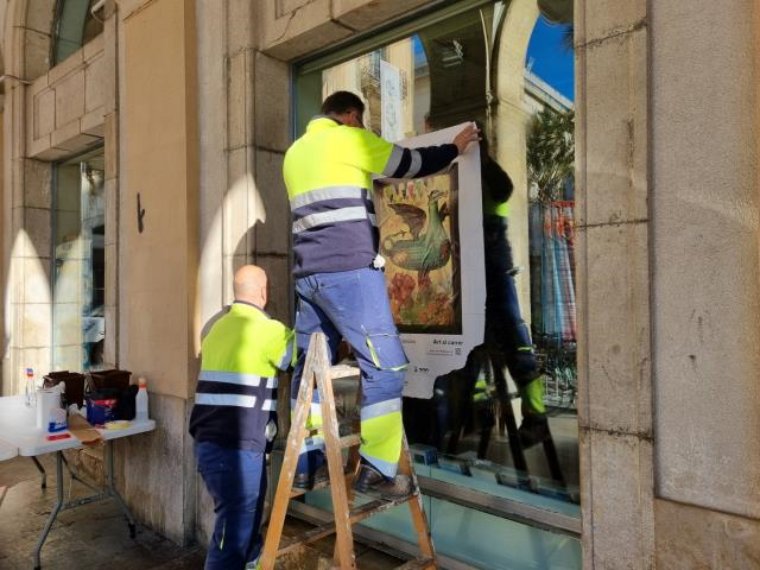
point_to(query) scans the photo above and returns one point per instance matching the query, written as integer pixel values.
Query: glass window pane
(514, 75)
(74, 26)
(79, 257)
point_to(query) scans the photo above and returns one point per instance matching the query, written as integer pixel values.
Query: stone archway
(488, 85)
(39, 126)
(27, 37)
(26, 41)
(510, 123)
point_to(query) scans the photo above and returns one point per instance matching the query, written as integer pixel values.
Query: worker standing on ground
(234, 418)
(338, 273)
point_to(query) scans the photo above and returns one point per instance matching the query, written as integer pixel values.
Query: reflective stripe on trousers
(354, 305)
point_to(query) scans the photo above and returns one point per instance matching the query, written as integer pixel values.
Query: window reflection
(74, 26)
(482, 66)
(79, 256)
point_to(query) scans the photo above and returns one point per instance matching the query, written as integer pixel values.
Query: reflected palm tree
(551, 152)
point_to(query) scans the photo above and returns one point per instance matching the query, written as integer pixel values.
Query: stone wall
(67, 105)
(705, 264)
(156, 471)
(705, 204)
(50, 114)
(159, 171)
(158, 168)
(667, 284)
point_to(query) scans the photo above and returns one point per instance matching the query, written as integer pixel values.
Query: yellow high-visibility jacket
(236, 397)
(328, 174)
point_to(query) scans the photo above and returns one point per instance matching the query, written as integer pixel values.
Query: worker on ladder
(339, 281)
(505, 328)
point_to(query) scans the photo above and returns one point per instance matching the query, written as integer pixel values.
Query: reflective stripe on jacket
(237, 385)
(328, 175)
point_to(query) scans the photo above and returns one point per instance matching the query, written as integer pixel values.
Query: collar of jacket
(321, 122)
(245, 306)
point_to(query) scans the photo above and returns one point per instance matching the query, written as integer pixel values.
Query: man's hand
(467, 135)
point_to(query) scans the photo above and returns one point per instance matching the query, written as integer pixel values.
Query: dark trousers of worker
(354, 305)
(505, 327)
(236, 481)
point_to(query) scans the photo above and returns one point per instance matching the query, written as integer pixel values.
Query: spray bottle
(141, 401)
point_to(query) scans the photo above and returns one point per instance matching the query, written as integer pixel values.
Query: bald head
(250, 285)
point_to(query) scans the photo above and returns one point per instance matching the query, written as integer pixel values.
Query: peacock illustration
(426, 251)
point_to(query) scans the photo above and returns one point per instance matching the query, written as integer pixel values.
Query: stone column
(704, 205)
(244, 124)
(158, 250)
(27, 200)
(510, 127)
(613, 262)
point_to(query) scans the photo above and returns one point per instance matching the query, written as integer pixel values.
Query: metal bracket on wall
(140, 215)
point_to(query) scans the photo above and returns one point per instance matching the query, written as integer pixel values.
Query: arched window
(74, 25)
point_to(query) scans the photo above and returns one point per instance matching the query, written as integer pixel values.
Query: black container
(74, 382)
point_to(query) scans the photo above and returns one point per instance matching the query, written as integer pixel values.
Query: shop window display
(481, 66)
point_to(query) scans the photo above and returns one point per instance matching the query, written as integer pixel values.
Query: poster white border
(432, 355)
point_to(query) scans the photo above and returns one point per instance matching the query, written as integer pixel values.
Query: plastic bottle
(141, 401)
(30, 390)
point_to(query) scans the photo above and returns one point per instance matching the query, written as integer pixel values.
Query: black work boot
(370, 481)
(307, 481)
(534, 429)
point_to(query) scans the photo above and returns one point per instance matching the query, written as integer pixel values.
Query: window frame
(303, 73)
(95, 150)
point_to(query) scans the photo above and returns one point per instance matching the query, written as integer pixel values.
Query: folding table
(7, 450)
(18, 428)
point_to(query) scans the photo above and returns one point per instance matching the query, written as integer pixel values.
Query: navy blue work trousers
(236, 480)
(354, 305)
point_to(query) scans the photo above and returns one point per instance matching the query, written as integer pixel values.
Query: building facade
(142, 145)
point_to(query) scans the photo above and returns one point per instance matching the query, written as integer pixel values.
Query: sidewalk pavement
(96, 537)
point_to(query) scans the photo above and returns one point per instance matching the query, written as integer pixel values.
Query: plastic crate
(74, 382)
(108, 379)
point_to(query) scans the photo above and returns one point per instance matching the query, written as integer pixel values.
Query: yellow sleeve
(283, 347)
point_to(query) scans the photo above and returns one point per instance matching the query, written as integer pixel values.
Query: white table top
(18, 427)
(7, 451)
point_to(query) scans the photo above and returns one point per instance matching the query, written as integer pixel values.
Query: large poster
(420, 239)
(437, 291)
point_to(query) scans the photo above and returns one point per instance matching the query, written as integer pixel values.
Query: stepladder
(343, 462)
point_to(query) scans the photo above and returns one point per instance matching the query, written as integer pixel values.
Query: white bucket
(47, 400)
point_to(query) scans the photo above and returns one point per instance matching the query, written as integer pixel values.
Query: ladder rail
(344, 550)
(416, 507)
(295, 441)
(317, 370)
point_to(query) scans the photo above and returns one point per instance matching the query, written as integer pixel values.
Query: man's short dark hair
(341, 102)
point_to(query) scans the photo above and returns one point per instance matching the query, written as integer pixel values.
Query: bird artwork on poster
(431, 237)
(420, 239)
